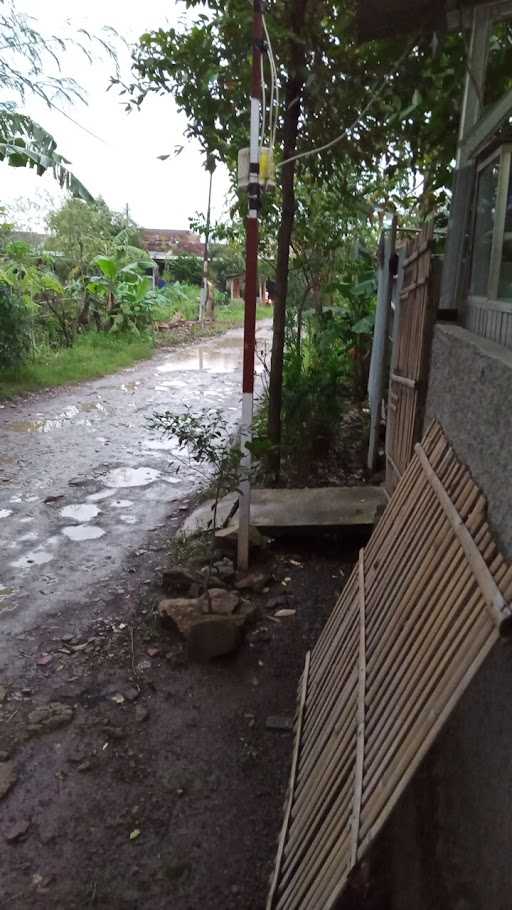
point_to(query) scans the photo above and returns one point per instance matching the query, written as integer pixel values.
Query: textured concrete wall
(449, 841)
(470, 393)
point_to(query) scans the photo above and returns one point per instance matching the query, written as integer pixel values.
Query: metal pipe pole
(380, 342)
(251, 289)
(203, 301)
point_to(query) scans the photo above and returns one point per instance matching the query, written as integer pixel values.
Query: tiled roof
(168, 241)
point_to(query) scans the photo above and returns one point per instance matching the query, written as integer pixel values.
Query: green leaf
(365, 325)
(107, 266)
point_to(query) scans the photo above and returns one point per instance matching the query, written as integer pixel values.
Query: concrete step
(279, 510)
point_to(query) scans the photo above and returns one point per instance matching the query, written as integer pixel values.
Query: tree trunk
(292, 107)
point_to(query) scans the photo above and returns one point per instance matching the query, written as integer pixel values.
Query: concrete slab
(324, 507)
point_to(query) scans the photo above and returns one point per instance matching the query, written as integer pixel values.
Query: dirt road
(84, 482)
(131, 778)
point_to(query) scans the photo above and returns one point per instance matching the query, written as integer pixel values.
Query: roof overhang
(389, 18)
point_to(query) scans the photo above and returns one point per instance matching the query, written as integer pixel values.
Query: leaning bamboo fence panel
(410, 357)
(422, 609)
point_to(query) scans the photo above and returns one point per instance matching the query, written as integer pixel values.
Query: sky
(122, 164)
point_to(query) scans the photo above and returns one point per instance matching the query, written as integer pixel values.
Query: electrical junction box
(267, 178)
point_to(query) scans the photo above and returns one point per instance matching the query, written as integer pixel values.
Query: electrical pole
(203, 301)
(251, 288)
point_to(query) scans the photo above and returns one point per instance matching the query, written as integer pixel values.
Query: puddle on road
(5, 593)
(90, 407)
(130, 386)
(44, 426)
(131, 477)
(29, 536)
(83, 532)
(37, 557)
(175, 384)
(49, 424)
(204, 360)
(226, 357)
(80, 512)
(223, 357)
(4, 513)
(159, 445)
(102, 494)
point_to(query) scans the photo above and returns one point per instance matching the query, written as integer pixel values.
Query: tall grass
(93, 354)
(177, 299)
(98, 354)
(233, 312)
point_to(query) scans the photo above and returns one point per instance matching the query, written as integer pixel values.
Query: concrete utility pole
(251, 288)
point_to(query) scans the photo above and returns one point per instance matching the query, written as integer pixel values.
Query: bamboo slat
(289, 802)
(361, 714)
(417, 617)
(410, 359)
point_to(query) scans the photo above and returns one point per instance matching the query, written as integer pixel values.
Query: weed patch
(93, 354)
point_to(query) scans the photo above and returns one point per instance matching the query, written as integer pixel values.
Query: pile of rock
(205, 612)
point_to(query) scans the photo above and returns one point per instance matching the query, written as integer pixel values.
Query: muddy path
(158, 783)
(131, 778)
(84, 483)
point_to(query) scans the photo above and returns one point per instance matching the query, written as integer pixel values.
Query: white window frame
(504, 155)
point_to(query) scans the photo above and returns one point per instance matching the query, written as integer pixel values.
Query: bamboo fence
(420, 612)
(410, 358)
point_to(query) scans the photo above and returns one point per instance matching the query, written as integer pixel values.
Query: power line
(274, 111)
(80, 126)
(374, 96)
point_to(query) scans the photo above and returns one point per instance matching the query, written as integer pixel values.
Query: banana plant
(24, 143)
(126, 291)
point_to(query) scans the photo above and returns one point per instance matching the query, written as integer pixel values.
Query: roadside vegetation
(92, 355)
(87, 304)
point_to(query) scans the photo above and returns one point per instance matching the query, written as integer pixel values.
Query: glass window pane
(484, 227)
(505, 282)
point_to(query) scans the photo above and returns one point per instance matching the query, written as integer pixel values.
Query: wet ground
(131, 778)
(84, 482)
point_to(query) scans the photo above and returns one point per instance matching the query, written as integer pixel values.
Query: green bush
(316, 379)
(173, 299)
(185, 268)
(325, 366)
(15, 329)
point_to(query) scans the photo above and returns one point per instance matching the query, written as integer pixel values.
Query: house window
(485, 220)
(491, 262)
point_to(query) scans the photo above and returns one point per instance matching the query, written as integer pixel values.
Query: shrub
(185, 268)
(174, 299)
(15, 329)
